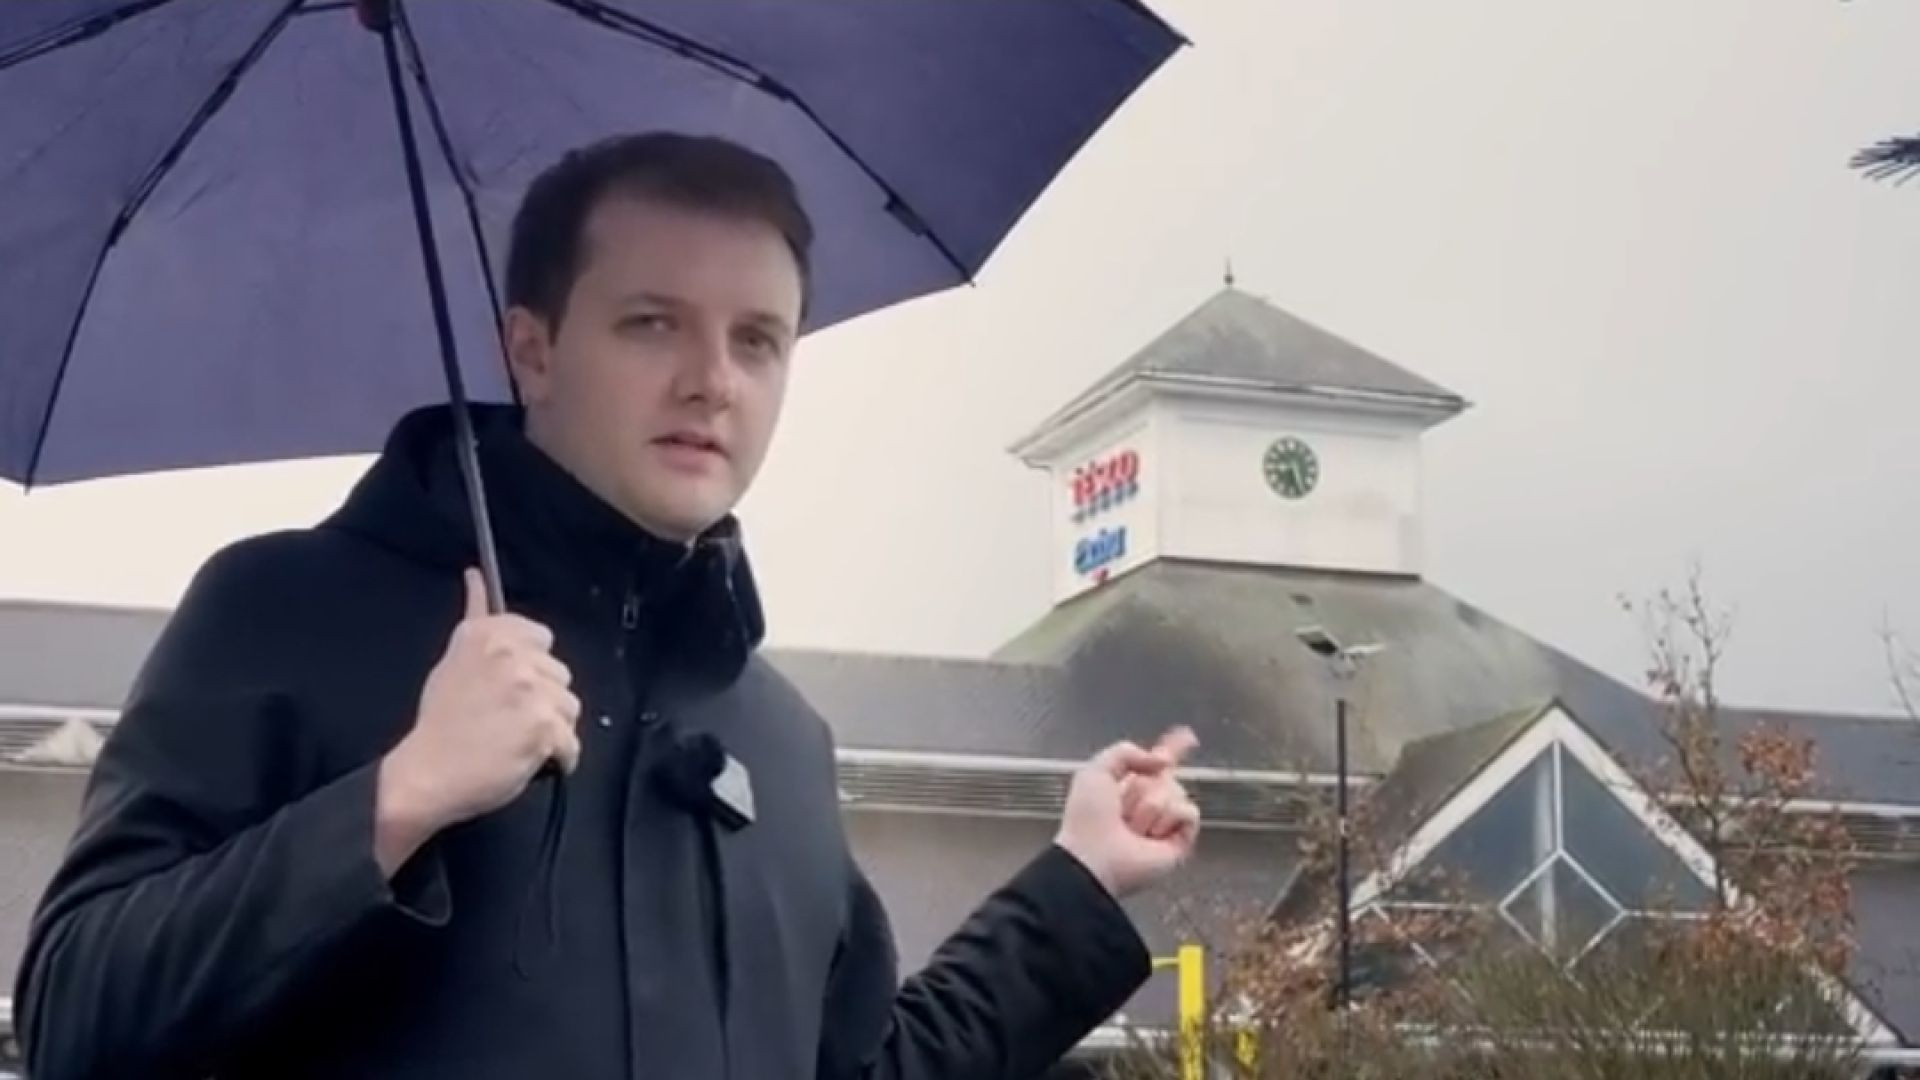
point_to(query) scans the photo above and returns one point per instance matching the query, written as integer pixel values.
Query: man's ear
(529, 354)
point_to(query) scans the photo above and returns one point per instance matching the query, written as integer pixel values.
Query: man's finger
(1170, 820)
(1183, 821)
(534, 635)
(1176, 744)
(1155, 816)
(561, 738)
(476, 594)
(1123, 759)
(548, 667)
(566, 750)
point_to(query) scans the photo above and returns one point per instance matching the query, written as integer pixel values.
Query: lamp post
(1343, 661)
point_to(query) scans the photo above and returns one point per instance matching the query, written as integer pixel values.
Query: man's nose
(706, 369)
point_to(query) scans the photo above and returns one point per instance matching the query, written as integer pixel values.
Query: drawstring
(546, 872)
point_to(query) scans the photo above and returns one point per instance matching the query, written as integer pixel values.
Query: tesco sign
(1101, 485)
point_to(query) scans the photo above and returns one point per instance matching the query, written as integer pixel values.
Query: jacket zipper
(716, 896)
(714, 887)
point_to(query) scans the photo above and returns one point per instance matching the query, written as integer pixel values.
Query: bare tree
(1780, 873)
(1903, 669)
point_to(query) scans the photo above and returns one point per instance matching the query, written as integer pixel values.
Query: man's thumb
(476, 595)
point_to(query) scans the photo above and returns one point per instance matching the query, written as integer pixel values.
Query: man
(321, 842)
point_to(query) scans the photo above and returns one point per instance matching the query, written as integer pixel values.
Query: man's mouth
(692, 440)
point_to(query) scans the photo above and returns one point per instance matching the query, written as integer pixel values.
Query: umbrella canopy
(209, 251)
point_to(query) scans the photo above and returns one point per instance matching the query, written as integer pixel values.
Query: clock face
(1291, 467)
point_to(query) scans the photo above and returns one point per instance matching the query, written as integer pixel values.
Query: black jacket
(220, 912)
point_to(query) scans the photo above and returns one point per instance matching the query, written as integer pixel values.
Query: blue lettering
(1106, 546)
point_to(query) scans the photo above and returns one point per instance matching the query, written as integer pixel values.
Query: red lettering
(1115, 474)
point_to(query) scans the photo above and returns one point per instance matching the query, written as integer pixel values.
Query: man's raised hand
(1127, 818)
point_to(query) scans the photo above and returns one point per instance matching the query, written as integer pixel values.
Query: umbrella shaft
(379, 16)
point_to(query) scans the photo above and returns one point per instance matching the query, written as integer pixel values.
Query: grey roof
(888, 702)
(1214, 645)
(71, 654)
(1867, 758)
(1886, 967)
(1242, 338)
(1204, 644)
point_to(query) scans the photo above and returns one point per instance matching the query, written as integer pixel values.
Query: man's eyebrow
(768, 320)
(646, 297)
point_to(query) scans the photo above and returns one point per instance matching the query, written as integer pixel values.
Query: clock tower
(1242, 435)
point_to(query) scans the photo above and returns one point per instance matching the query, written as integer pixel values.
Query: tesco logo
(1100, 486)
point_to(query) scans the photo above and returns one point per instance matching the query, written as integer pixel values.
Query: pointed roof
(1241, 341)
(1635, 857)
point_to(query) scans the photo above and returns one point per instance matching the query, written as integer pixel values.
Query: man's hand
(494, 710)
(1127, 819)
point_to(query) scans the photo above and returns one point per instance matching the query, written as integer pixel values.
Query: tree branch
(1903, 670)
(1897, 160)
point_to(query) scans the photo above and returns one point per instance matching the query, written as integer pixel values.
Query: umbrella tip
(1229, 274)
(375, 15)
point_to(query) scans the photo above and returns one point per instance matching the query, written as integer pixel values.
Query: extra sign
(1096, 554)
(1101, 485)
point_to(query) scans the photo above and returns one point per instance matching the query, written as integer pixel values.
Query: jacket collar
(560, 545)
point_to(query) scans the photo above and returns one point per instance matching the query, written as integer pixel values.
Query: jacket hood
(557, 541)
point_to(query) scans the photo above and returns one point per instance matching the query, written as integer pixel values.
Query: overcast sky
(1623, 229)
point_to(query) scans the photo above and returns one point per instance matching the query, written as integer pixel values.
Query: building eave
(1102, 404)
(1103, 407)
(992, 786)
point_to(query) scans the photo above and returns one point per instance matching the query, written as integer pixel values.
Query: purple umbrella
(241, 231)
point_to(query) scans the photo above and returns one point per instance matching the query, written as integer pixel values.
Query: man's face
(661, 389)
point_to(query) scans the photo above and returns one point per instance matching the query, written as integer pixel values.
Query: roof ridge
(774, 652)
(1761, 712)
(1320, 359)
(89, 607)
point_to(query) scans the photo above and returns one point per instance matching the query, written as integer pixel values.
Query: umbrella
(243, 230)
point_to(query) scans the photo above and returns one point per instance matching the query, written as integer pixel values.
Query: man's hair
(691, 172)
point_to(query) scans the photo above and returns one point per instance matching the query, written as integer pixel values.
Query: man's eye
(646, 323)
(760, 342)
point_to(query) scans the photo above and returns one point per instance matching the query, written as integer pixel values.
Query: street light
(1344, 662)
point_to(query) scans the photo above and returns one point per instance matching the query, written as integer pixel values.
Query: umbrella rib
(74, 33)
(417, 61)
(221, 93)
(733, 67)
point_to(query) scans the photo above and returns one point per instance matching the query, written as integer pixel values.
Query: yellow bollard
(1191, 965)
(1246, 1048)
